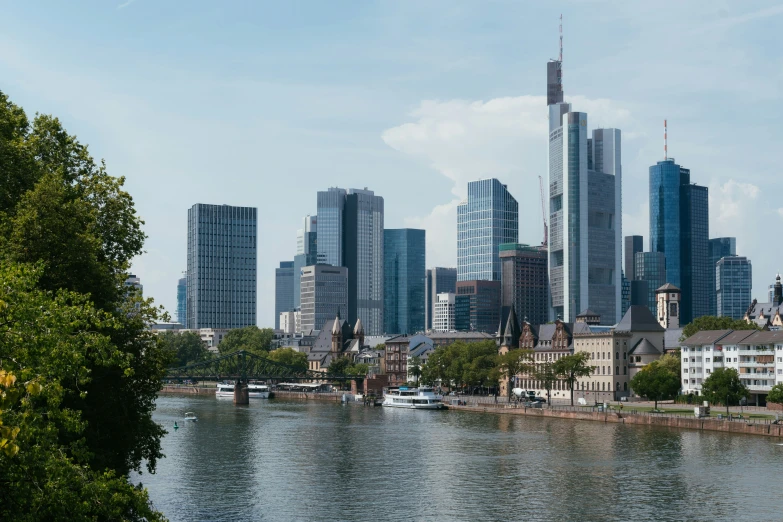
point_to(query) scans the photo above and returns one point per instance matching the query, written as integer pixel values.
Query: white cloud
(732, 204)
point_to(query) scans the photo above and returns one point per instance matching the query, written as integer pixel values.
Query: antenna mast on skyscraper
(665, 142)
(561, 39)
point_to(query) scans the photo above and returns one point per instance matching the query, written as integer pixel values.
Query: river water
(281, 460)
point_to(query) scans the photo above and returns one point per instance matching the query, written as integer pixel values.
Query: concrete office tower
(719, 248)
(324, 295)
(524, 283)
(350, 234)
(633, 245)
(488, 218)
(733, 275)
(182, 301)
(439, 280)
(650, 267)
(585, 221)
(306, 252)
(477, 306)
(404, 280)
(443, 320)
(679, 227)
(222, 254)
(284, 290)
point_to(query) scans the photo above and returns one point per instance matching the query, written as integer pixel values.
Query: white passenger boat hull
(254, 393)
(413, 399)
(435, 406)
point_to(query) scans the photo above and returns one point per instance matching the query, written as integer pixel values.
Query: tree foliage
(462, 365)
(250, 338)
(184, 348)
(571, 367)
(512, 363)
(710, 322)
(290, 357)
(548, 376)
(69, 231)
(776, 394)
(724, 386)
(656, 382)
(414, 367)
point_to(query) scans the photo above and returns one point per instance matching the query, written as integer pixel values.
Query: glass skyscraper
(487, 219)
(222, 262)
(651, 268)
(633, 244)
(182, 300)
(679, 227)
(404, 274)
(331, 205)
(477, 306)
(719, 247)
(284, 290)
(733, 276)
(306, 253)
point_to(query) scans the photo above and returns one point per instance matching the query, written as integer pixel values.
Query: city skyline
(436, 128)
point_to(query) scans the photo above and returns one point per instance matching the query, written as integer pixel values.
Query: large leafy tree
(657, 382)
(710, 322)
(250, 338)
(548, 376)
(724, 386)
(571, 367)
(414, 368)
(63, 213)
(50, 344)
(776, 394)
(185, 348)
(290, 357)
(463, 364)
(513, 363)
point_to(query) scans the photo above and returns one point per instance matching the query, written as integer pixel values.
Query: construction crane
(543, 211)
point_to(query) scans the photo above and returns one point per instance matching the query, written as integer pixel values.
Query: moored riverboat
(255, 391)
(413, 398)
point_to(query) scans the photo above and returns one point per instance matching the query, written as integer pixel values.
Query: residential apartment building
(324, 290)
(404, 280)
(222, 259)
(439, 280)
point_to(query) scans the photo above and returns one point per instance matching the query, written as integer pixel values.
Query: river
(281, 460)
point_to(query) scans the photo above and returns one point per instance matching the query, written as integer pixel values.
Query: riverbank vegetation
(81, 370)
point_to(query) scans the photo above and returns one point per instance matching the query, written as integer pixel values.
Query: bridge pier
(241, 393)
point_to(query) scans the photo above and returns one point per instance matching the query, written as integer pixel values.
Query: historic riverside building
(488, 218)
(222, 264)
(337, 338)
(768, 315)
(679, 227)
(439, 280)
(585, 211)
(404, 280)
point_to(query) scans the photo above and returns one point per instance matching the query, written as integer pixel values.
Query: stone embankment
(750, 427)
(183, 389)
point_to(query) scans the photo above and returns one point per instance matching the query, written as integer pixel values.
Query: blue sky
(263, 104)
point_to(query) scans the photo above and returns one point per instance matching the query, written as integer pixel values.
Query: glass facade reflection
(284, 290)
(404, 271)
(182, 301)
(733, 276)
(488, 218)
(720, 247)
(477, 306)
(331, 204)
(651, 268)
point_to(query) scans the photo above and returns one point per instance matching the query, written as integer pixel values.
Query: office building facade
(488, 218)
(679, 227)
(182, 301)
(733, 286)
(443, 320)
(284, 290)
(649, 267)
(324, 291)
(633, 245)
(306, 252)
(404, 280)
(439, 280)
(719, 248)
(524, 282)
(477, 306)
(222, 259)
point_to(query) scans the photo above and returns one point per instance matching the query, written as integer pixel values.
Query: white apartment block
(443, 321)
(756, 355)
(291, 322)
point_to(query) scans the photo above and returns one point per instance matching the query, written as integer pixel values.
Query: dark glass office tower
(720, 247)
(221, 266)
(679, 227)
(284, 290)
(733, 286)
(633, 245)
(404, 273)
(182, 302)
(524, 283)
(477, 306)
(650, 268)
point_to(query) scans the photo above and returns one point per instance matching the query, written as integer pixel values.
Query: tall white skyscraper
(585, 214)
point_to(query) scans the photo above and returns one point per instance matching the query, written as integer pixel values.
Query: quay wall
(668, 421)
(182, 389)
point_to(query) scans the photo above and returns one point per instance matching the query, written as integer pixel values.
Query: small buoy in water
(175, 425)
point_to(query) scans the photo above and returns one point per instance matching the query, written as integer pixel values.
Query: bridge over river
(242, 367)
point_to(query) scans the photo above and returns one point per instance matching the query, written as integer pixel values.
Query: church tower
(668, 297)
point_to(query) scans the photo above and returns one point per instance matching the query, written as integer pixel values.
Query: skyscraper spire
(665, 142)
(560, 59)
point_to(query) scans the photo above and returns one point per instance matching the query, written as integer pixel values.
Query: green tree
(290, 357)
(513, 363)
(63, 213)
(339, 366)
(463, 364)
(656, 382)
(250, 338)
(414, 368)
(571, 367)
(185, 348)
(548, 376)
(358, 369)
(724, 386)
(50, 345)
(710, 322)
(776, 394)
(672, 361)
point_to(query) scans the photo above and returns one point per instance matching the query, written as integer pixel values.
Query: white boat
(256, 391)
(189, 416)
(413, 398)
